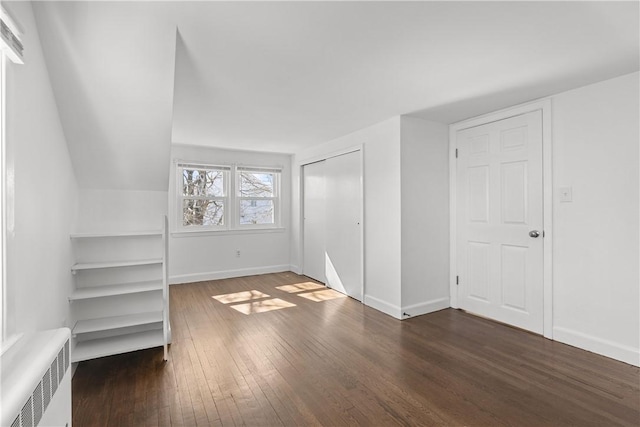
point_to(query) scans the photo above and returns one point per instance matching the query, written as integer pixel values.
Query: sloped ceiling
(112, 70)
(283, 76)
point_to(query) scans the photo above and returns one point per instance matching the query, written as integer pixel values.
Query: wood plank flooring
(336, 362)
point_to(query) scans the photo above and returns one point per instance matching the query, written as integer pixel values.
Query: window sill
(205, 233)
(9, 342)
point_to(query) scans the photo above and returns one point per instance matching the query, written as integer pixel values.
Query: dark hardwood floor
(336, 362)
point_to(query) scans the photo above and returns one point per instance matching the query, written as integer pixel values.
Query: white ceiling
(284, 76)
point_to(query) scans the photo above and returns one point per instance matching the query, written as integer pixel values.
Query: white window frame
(225, 199)
(10, 50)
(277, 173)
(3, 281)
(231, 198)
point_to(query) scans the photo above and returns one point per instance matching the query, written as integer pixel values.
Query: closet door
(343, 207)
(314, 220)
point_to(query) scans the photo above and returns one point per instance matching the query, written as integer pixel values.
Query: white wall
(120, 210)
(42, 196)
(208, 256)
(112, 70)
(382, 219)
(595, 278)
(425, 215)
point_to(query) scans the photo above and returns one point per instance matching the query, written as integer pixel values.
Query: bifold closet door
(314, 220)
(343, 241)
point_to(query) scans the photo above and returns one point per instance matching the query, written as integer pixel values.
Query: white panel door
(343, 260)
(499, 213)
(314, 202)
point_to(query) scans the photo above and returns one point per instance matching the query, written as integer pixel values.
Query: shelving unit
(92, 349)
(116, 322)
(113, 264)
(112, 290)
(116, 234)
(129, 313)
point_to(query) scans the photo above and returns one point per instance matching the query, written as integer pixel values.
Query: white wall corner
(295, 269)
(597, 345)
(227, 274)
(383, 306)
(426, 307)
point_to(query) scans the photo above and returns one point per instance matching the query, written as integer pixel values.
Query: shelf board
(92, 349)
(117, 234)
(113, 264)
(115, 322)
(111, 290)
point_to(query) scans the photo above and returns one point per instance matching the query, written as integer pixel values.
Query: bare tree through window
(200, 188)
(256, 191)
(227, 197)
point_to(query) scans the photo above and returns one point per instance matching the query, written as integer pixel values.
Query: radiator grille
(61, 365)
(54, 377)
(39, 400)
(37, 404)
(46, 387)
(26, 416)
(66, 355)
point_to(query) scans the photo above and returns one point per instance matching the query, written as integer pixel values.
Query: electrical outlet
(237, 253)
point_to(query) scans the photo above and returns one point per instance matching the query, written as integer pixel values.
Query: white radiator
(35, 381)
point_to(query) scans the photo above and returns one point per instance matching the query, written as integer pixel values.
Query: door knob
(534, 233)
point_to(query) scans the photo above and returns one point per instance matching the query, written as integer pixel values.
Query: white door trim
(317, 158)
(545, 106)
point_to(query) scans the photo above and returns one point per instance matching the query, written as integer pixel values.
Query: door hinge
(457, 280)
(456, 153)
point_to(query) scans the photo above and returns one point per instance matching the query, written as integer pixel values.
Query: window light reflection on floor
(324, 295)
(240, 296)
(262, 306)
(297, 287)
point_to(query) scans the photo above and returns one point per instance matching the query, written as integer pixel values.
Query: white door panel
(343, 263)
(333, 224)
(314, 220)
(499, 201)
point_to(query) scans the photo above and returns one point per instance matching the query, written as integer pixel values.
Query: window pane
(256, 184)
(202, 182)
(256, 212)
(202, 212)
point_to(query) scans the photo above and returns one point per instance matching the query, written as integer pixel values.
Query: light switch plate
(566, 194)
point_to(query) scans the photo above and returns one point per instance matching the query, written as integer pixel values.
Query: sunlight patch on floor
(262, 306)
(324, 295)
(297, 287)
(240, 296)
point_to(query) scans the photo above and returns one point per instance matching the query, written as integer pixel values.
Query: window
(3, 297)
(10, 50)
(204, 196)
(214, 198)
(257, 196)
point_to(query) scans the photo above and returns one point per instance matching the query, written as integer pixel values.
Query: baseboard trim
(383, 306)
(426, 307)
(296, 269)
(227, 274)
(597, 345)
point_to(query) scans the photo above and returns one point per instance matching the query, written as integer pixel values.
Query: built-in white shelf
(111, 290)
(157, 233)
(114, 264)
(92, 349)
(128, 312)
(116, 322)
